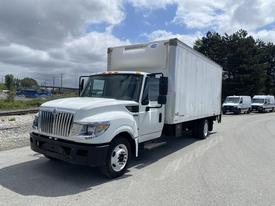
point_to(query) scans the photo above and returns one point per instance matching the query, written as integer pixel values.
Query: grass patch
(19, 104)
(12, 119)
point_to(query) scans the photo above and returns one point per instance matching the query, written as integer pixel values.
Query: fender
(120, 121)
(133, 132)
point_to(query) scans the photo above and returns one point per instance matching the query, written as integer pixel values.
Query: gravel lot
(14, 131)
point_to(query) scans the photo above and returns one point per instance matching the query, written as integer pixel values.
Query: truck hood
(84, 103)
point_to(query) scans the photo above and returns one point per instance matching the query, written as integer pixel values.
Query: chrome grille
(56, 123)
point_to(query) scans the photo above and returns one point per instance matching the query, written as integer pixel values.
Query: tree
(247, 63)
(9, 81)
(28, 83)
(9, 84)
(2, 87)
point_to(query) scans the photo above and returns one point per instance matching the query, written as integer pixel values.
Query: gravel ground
(14, 131)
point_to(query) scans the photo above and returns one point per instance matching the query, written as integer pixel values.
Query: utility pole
(53, 82)
(61, 81)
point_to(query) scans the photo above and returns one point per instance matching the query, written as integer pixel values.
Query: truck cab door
(151, 120)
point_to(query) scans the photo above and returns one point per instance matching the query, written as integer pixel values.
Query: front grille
(56, 123)
(228, 107)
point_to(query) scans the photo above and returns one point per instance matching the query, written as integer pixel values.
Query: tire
(211, 123)
(200, 129)
(248, 111)
(118, 157)
(238, 112)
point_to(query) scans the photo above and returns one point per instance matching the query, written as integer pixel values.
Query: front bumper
(73, 152)
(257, 108)
(230, 109)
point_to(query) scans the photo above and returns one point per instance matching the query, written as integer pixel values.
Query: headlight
(89, 130)
(35, 121)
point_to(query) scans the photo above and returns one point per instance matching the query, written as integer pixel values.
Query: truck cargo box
(195, 82)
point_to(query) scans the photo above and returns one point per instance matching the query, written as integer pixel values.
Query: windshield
(258, 100)
(114, 86)
(232, 100)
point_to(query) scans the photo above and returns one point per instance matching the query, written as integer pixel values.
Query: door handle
(160, 117)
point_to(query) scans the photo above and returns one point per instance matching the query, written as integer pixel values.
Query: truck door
(151, 118)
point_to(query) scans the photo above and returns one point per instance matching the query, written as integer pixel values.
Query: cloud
(153, 4)
(43, 38)
(46, 24)
(162, 35)
(265, 35)
(221, 16)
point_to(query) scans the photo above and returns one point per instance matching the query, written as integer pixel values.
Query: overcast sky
(44, 38)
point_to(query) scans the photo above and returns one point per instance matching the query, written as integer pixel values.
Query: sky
(43, 39)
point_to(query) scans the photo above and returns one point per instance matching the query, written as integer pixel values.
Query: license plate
(53, 148)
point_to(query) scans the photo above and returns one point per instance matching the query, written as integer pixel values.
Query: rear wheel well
(127, 136)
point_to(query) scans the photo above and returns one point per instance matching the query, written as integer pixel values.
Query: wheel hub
(119, 157)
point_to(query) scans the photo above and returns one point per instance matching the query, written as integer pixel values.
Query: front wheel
(117, 159)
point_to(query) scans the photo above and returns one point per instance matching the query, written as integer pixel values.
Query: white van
(237, 104)
(263, 103)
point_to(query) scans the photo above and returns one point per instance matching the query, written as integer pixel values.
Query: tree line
(12, 83)
(248, 64)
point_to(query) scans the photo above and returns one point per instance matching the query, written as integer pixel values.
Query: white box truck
(149, 90)
(263, 103)
(237, 104)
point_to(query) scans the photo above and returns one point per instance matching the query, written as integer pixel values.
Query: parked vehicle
(32, 93)
(175, 88)
(263, 103)
(237, 104)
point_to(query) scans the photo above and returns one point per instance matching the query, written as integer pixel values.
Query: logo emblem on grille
(54, 112)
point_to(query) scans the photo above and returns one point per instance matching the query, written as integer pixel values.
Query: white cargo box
(195, 82)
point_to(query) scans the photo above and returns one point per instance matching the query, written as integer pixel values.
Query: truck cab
(263, 103)
(237, 104)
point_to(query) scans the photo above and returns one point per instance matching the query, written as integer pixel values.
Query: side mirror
(81, 86)
(241, 102)
(162, 99)
(163, 86)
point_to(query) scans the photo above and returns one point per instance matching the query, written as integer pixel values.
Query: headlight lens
(35, 121)
(89, 130)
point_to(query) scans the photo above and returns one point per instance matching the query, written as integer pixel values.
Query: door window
(151, 89)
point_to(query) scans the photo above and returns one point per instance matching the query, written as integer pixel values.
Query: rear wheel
(201, 129)
(118, 158)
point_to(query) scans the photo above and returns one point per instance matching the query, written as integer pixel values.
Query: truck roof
(262, 96)
(238, 96)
